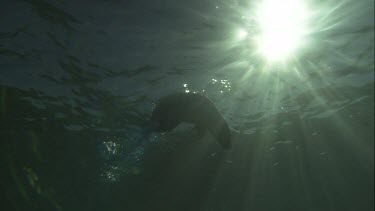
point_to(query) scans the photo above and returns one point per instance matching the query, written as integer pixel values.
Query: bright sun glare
(282, 27)
(241, 34)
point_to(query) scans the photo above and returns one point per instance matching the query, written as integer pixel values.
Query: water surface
(79, 79)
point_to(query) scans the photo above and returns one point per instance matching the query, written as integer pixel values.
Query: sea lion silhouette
(197, 109)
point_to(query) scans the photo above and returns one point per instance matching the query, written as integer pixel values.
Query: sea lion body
(192, 108)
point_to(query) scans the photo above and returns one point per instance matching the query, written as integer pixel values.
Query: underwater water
(79, 79)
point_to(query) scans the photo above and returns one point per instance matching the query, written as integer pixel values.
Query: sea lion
(197, 109)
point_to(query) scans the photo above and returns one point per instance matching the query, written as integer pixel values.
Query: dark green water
(78, 79)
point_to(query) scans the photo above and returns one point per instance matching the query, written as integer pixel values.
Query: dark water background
(79, 78)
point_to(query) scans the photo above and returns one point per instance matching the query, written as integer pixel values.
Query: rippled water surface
(79, 79)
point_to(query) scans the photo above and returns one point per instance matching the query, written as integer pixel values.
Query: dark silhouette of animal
(197, 109)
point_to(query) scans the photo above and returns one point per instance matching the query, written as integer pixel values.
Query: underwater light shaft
(282, 27)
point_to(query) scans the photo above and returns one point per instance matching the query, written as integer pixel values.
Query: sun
(282, 27)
